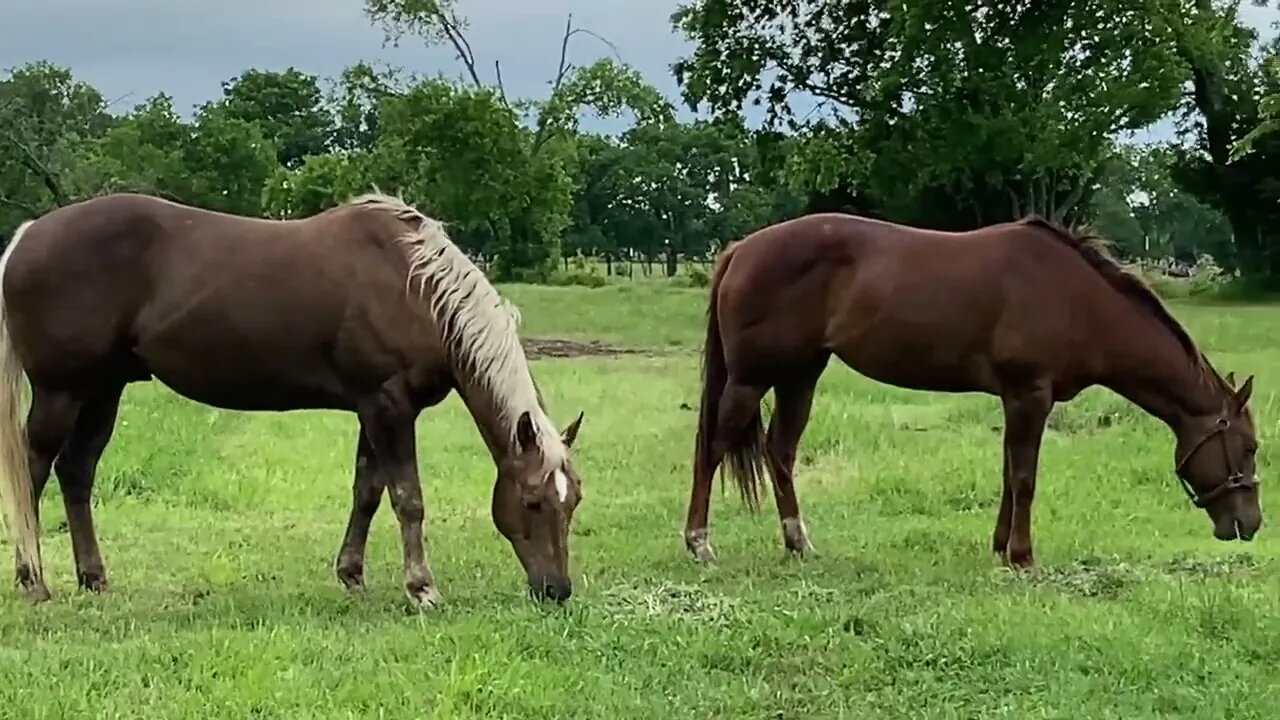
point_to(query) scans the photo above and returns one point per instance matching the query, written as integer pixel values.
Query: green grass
(219, 531)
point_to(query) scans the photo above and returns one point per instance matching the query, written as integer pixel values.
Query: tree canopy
(936, 113)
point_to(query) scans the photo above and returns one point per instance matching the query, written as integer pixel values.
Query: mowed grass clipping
(219, 531)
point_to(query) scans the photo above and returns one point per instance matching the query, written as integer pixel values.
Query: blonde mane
(478, 325)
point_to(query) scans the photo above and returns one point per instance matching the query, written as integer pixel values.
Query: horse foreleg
(366, 496)
(390, 427)
(1004, 517)
(1026, 412)
(77, 467)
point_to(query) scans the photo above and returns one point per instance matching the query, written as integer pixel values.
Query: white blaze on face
(562, 485)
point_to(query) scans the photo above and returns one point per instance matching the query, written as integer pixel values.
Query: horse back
(951, 311)
(207, 301)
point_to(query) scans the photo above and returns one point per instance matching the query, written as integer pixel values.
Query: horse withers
(367, 307)
(1027, 311)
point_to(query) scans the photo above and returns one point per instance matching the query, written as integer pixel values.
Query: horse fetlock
(33, 587)
(796, 537)
(350, 571)
(699, 545)
(423, 595)
(93, 580)
(1020, 557)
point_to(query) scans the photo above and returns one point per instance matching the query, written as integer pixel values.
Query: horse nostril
(557, 591)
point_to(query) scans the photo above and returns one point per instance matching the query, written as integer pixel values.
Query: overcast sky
(131, 49)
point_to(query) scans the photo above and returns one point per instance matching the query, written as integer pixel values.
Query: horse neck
(495, 428)
(1154, 371)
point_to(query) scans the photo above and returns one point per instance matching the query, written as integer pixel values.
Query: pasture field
(219, 531)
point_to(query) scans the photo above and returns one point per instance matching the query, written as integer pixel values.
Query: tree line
(933, 113)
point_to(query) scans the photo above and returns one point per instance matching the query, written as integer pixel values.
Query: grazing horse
(367, 307)
(1027, 311)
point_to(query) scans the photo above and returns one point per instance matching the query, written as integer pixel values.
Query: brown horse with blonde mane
(367, 307)
(1027, 311)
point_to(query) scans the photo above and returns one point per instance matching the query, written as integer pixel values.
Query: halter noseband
(1235, 479)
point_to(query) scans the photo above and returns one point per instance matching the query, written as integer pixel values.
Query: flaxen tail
(744, 458)
(16, 494)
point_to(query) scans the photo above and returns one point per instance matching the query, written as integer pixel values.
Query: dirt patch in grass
(563, 348)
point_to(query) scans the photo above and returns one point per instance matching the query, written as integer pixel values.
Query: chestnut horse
(367, 307)
(1027, 311)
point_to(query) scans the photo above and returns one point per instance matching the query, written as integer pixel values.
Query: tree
(1268, 110)
(228, 161)
(978, 112)
(142, 152)
(354, 101)
(1142, 210)
(530, 212)
(462, 153)
(1229, 100)
(287, 107)
(46, 119)
(322, 182)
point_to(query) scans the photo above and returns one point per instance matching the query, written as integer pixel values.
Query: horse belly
(917, 353)
(242, 356)
(242, 381)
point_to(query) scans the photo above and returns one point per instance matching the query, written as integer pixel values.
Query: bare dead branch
(502, 90)
(562, 68)
(111, 102)
(616, 53)
(460, 44)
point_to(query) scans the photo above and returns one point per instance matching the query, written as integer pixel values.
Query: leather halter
(1235, 479)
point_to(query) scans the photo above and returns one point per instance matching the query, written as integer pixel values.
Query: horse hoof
(704, 554)
(1019, 561)
(93, 583)
(425, 597)
(699, 546)
(796, 538)
(37, 592)
(803, 552)
(352, 580)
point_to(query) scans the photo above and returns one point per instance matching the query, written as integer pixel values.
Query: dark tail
(745, 455)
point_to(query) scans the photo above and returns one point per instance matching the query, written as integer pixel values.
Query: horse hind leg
(739, 407)
(792, 406)
(76, 467)
(51, 419)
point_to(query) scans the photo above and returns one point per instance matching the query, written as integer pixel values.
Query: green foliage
(1268, 110)
(47, 118)
(977, 112)
(1233, 79)
(928, 113)
(228, 161)
(462, 154)
(287, 107)
(320, 183)
(1140, 208)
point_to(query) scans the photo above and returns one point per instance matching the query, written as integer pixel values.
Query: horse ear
(526, 433)
(1231, 380)
(1244, 393)
(571, 433)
